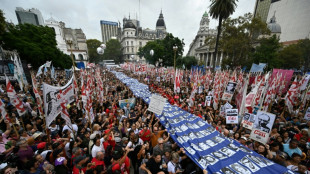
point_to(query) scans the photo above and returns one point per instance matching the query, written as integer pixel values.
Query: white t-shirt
(172, 167)
(131, 145)
(75, 128)
(96, 149)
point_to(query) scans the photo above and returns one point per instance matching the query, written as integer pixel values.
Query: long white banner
(53, 96)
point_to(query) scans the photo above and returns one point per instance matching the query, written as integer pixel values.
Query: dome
(129, 24)
(205, 14)
(160, 22)
(273, 26)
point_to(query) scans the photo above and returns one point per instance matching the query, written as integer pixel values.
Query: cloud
(182, 17)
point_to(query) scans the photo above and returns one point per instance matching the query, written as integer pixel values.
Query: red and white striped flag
(292, 96)
(14, 98)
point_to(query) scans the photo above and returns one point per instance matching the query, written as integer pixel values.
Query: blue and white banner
(257, 68)
(203, 144)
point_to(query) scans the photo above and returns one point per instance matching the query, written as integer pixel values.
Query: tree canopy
(113, 51)
(35, 44)
(92, 45)
(163, 49)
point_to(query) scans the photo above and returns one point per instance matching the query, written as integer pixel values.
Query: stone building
(201, 51)
(133, 36)
(77, 36)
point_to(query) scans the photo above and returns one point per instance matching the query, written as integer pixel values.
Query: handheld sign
(231, 116)
(262, 126)
(248, 120)
(157, 104)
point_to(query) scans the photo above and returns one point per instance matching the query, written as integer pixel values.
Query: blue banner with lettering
(203, 144)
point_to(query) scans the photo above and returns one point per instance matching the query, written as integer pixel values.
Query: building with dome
(293, 19)
(199, 49)
(132, 36)
(274, 27)
(77, 36)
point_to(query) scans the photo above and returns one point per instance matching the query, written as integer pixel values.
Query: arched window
(80, 57)
(73, 56)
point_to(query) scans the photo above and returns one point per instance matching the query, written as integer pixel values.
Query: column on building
(207, 59)
(221, 58)
(211, 60)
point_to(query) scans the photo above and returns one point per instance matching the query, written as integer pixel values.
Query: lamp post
(69, 42)
(175, 48)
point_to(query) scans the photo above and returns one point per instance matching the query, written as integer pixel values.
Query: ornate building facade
(77, 36)
(201, 51)
(133, 36)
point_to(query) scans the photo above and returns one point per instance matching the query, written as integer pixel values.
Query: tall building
(293, 17)
(198, 48)
(77, 36)
(262, 8)
(133, 37)
(108, 30)
(29, 16)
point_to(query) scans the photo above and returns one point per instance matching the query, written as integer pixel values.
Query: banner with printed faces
(262, 126)
(202, 143)
(53, 96)
(231, 116)
(248, 120)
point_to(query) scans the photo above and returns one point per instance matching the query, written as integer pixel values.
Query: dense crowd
(130, 139)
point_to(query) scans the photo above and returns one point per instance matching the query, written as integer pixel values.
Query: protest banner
(231, 116)
(53, 96)
(123, 103)
(262, 126)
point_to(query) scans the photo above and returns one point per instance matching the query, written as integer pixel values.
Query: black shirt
(153, 166)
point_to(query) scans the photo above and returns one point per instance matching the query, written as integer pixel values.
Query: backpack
(110, 171)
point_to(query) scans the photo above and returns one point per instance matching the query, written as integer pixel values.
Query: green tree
(187, 61)
(304, 46)
(163, 49)
(35, 44)
(290, 57)
(237, 40)
(267, 52)
(92, 45)
(2, 23)
(158, 49)
(113, 51)
(221, 10)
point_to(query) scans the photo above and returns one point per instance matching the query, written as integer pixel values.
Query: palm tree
(221, 10)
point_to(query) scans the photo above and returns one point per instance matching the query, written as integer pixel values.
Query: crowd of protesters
(130, 139)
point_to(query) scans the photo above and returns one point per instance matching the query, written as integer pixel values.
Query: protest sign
(248, 120)
(157, 104)
(229, 91)
(262, 126)
(208, 101)
(231, 116)
(307, 115)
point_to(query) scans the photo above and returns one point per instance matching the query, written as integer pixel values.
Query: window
(80, 57)
(127, 49)
(127, 43)
(140, 43)
(131, 43)
(132, 50)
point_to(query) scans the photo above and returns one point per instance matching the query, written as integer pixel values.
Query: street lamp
(100, 49)
(175, 48)
(70, 42)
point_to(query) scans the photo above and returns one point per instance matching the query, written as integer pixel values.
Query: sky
(182, 17)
